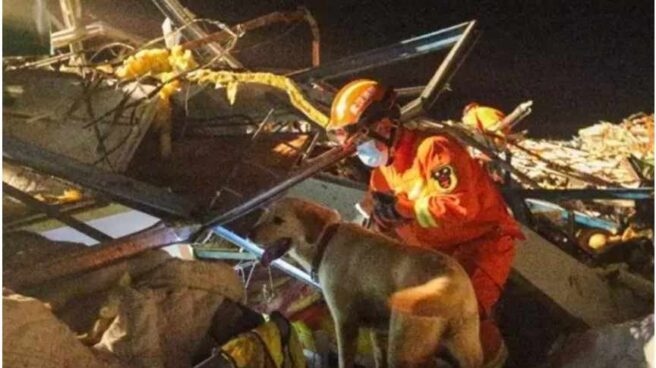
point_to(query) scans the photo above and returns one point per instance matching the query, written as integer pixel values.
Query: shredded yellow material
(228, 80)
(69, 196)
(162, 64)
(165, 64)
(155, 62)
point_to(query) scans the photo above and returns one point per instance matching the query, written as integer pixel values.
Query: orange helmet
(485, 119)
(357, 98)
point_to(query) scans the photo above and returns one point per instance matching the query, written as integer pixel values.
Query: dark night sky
(580, 61)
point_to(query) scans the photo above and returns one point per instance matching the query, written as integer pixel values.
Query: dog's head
(291, 224)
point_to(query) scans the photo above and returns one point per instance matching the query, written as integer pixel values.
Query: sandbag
(148, 311)
(33, 337)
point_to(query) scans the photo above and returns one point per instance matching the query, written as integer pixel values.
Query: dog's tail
(434, 298)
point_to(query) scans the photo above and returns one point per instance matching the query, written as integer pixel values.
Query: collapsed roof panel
(75, 116)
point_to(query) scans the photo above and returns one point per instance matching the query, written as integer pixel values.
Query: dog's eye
(278, 220)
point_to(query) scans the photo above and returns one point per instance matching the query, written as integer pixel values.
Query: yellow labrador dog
(413, 299)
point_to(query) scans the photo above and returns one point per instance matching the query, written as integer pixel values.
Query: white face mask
(371, 156)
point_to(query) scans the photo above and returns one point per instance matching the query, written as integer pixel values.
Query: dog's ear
(275, 251)
(262, 214)
(314, 219)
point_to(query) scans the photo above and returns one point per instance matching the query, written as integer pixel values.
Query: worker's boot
(495, 352)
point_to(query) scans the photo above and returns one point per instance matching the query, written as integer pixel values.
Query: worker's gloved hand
(385, 213)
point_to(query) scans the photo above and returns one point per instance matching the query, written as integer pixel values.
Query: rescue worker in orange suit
(429, 192)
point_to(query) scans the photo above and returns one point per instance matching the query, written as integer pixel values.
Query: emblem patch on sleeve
(445, 177)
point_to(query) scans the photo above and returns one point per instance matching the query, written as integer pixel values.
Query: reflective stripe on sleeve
(422, 213)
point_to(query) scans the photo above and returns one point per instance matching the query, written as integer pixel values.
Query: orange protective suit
(451, 205)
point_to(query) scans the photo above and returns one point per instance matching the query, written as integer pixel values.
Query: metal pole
(254, 249)
(71, 12)
(567, 194)
(136, 194)
(314, 166)
(403, 50)
(156, 236)
(53, 212)
(179, 15)
(435, 86)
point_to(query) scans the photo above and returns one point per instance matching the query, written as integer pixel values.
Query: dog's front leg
(347, 335)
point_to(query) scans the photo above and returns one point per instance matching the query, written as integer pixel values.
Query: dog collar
(322, 244)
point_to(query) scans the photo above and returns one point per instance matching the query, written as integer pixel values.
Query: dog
(413, 300)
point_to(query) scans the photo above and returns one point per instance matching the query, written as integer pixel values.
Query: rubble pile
(603, 150)
(148, 311)
(604, 155)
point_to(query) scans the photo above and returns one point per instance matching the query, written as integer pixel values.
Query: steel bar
(53, 212)
(181, 17)
(254, 249)
(577, 217)
(68, 209)
(520, 209)
(156, 236)
(344, 182)
(131, 192)
(71, 11)
(223, 255)
(96, 29)
(316, 36)
(638, 194)
(265, 20)
(440, 79)
(312, 167)
(409, 91)
(404, 50)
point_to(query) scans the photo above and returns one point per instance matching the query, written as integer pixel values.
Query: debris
(599, 151)
(226, 78)
(34, 337)
(619, 345)
(149, 311)
(275, 344)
